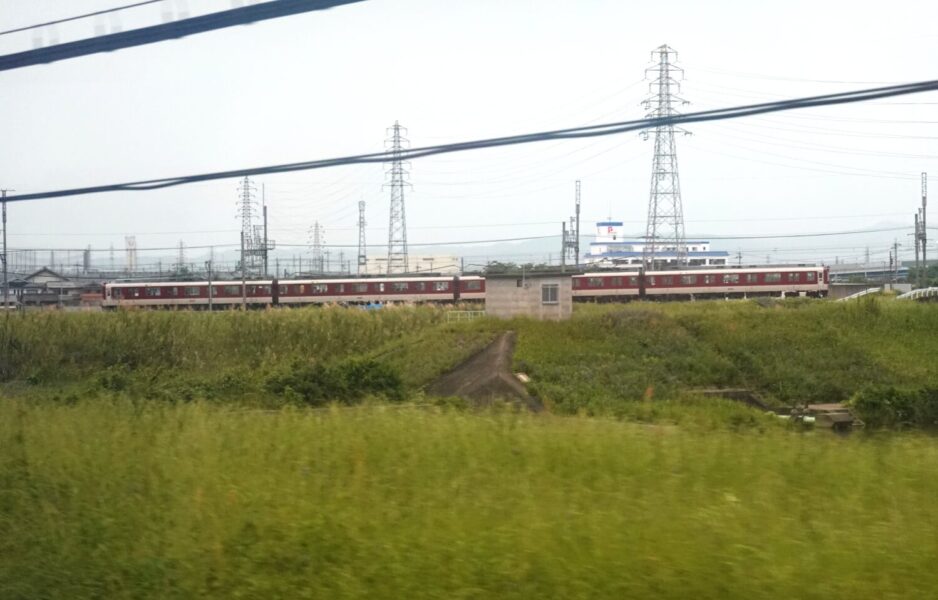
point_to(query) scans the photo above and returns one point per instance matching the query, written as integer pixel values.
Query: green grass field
(177, 455)
(143, 500)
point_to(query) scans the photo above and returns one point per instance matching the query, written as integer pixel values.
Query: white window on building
(550, 293)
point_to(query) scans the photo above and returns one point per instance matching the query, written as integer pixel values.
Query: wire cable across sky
(559, 134)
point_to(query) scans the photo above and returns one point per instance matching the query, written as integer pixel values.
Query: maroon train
(710, 283)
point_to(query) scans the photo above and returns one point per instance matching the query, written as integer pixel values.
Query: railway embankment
(641, 361)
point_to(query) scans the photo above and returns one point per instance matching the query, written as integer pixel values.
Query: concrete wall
(505, 299)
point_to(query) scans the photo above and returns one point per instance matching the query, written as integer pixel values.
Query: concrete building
(545, 296)
(611, 249)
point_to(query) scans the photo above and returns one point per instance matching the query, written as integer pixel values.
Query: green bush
(889, 406)
(347, 381)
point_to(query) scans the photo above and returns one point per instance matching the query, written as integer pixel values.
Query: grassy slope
(223, 356)
(791, 352)
(119, 500)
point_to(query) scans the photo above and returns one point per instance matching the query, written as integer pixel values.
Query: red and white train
(600, 286)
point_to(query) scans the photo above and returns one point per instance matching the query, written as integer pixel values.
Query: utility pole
(266, 248)
(397, 229)
(895, 253)
(665, 224)
(577, 246)
(208, 269)
(244, 287)
(563, 246)
(362, 248)
(916, 238)
(923, 237)
(6, 281)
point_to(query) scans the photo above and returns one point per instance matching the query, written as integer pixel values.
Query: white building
(378, 265)
(612, 249)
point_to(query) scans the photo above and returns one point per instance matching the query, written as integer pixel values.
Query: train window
(474, 285)
(153, 291)
(732, 278)
(794, 277)
(667, 280)
(263, 290)
(595, 282)
(651, 280)
(380, 287)
(688, 279)
(136, 292)
(421, 286)
(633, 281)
(320, 288)
(232, 290)
(441, 286)
(192, 290)
(710, 278)
(116, 293)
(550, 293)
(399, 286)
(810, 275)
(772, 277)
(283, 290)
(359, 288)
(175, 292)
(340, 288)
(616, 282)
(751, 278)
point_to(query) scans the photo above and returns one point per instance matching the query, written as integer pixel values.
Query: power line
(78, 17)
(571, 133)
(166, 31)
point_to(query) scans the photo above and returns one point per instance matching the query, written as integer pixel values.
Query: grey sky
(329, 83)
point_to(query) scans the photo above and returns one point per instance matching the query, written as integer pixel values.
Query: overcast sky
(329, 83)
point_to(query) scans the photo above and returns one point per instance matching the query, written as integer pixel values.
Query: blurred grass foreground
(121, 499)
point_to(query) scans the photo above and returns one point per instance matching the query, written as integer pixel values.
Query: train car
(222, 294)
(703, 283)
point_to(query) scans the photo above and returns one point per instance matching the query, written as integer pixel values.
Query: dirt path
(487, 377)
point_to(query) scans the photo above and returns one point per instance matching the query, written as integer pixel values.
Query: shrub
(347, 381)
(888, 406)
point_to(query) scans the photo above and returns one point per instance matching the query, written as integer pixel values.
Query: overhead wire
(570, 133)
(243, 15)
(82, 16)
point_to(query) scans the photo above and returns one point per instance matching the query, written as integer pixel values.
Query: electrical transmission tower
(181, 257)
(397, 175)
(317, 238)
(247, 210)
(362, 251)
(665, 227)
(130, 245)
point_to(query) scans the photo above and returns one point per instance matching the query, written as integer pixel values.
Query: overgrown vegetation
(789, 352)
(150, 500)
(265, 359)
(641, 361)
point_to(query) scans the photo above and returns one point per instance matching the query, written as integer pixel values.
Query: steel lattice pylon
(397, 175)
(664, 232)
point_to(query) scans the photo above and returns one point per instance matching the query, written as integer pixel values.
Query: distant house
(45, 287)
